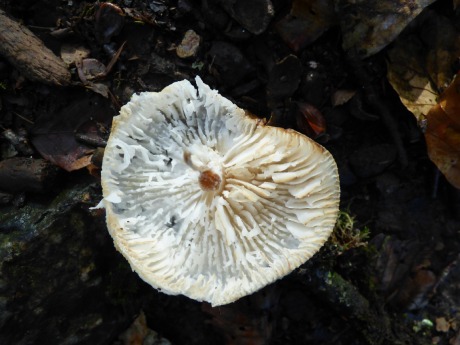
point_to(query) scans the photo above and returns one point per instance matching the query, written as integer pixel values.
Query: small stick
(27, 53)
(27, 175)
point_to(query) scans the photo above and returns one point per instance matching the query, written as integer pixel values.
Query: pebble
(254, 15)
(189, 46)
(284, 78)
(228, 64)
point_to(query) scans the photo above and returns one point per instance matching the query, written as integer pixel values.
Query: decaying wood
(26, 175)
(29, 55)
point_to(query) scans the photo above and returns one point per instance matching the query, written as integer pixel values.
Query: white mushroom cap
(205, 201)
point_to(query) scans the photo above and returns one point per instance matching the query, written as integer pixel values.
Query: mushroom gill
(205, 201)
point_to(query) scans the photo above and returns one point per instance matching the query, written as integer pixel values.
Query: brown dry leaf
(310, 120)
(443, 133)
(341, 97)
(91, 69)
(408, 76)
(99, 88)
(370, 25)
(442, 39)
(54, 135)
(307, 20)
(421, 63)
(442, 325)
(71, 53)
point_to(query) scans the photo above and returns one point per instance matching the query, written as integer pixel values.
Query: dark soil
(399, 285)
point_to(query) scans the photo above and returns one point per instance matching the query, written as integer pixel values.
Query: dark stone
(214, 15)
(253, 15)
(284, 78)
(228, 63)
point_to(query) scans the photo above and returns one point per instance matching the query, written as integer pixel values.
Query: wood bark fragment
(21, 174)
(29, 55)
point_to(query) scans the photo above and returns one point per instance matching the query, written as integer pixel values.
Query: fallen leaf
(54, 135)
(442, 41)
(443, 133)
(442, 325)
(408, 76)
(71, 53)
(99, 88)
(341, 97)
(310, 121)
(91, 69)
(307, 20)
(368, 26)
(421, 62)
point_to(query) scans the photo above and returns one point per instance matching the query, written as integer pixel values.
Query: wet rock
(228, 64)
(214, 15)
(189, 45)
(284, 78)
(61, 280)
(371, 161)
(253, 15)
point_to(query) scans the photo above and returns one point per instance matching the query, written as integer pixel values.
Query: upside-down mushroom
(206, 201)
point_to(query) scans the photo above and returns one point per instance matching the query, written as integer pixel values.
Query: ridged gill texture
(205, 201)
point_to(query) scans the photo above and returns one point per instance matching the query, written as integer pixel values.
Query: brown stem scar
(209, 180)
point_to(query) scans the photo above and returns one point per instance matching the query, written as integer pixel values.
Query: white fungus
(205, 201)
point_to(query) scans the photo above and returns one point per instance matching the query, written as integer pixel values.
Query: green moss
(346, 235)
